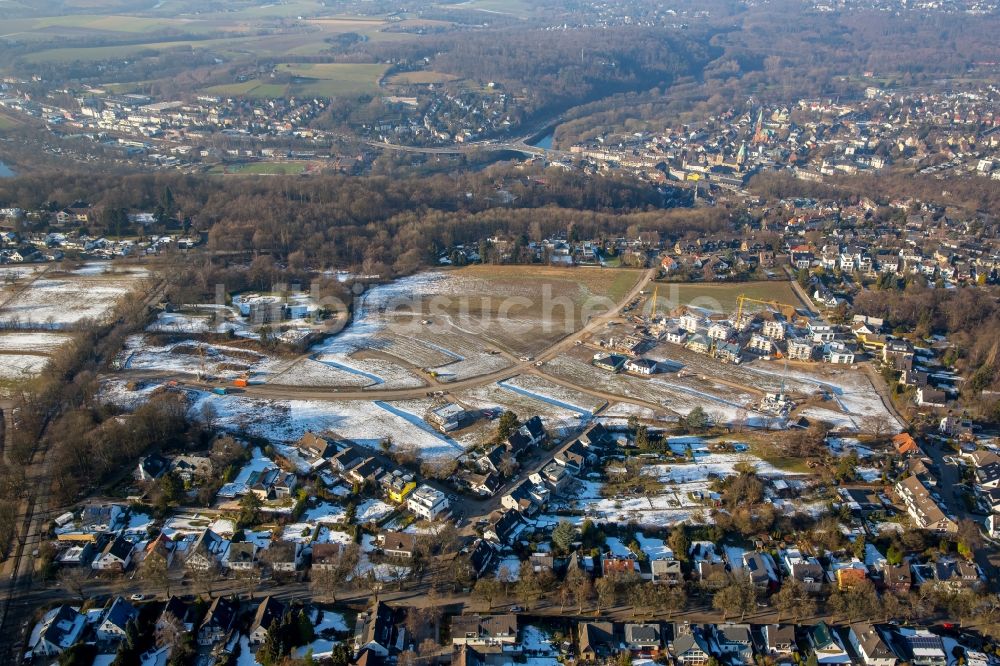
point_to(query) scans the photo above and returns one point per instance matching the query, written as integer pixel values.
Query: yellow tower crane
(652, 314)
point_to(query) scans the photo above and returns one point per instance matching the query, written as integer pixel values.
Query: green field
(95, 53)
(721, 296)
(332, 79)
(271, 168)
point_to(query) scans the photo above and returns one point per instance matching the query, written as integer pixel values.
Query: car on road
(138, 597)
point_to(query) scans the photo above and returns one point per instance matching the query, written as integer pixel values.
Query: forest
(380, 225)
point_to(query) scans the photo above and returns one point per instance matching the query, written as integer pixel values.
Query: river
(545, 143)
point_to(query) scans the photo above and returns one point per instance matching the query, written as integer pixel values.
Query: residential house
(919, 647)
(711, 574)
(314, 449)
(827, 646)
(526, 498)
(205, 552)
(400, 545)
(374, 630)
(905, 444)
(897, 578)
(553, 475)
(368, 471)
(922, 508)
(190, 468)
(957, 574)
(398, 485)
(114, 621)
(641, 366)
(643, 639)
(346, 460)
(869, 645)
(240, 556)
(596, 641)
(575, 456)
(667, 571)
(484, 630)
(218, 622)
(758, 569)
(504, 527)
(928, 396)
(779, 639)
(850, 577)
(898, 354)
(284, 556)
(116, 556)
(178, 613)
(269, 611)
(691, 649)
(427, 503)
(59, 629)
(810, 574)
(734, 642)
(614, 565)
(151, 467)
(325, 556)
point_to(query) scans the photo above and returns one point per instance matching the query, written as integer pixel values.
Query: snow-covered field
(39, 342)
(554, 393)
(15, 367)
(675, 395)
(190, 357)
(61, 300)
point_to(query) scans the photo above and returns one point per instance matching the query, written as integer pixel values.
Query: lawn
(7, 123)
(721, 297)
(271, 168)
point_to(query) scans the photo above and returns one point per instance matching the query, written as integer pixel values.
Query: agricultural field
(721, 297)
(62, 299)
(319, 80)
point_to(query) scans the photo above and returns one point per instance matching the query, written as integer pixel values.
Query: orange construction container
(240, 382)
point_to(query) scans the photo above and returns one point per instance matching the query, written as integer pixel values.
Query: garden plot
(366, 423)
(707, 466)
(659, 510)
(63, 300)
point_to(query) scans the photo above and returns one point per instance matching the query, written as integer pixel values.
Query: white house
(427, 502)
(115, 620)
(116, 556)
